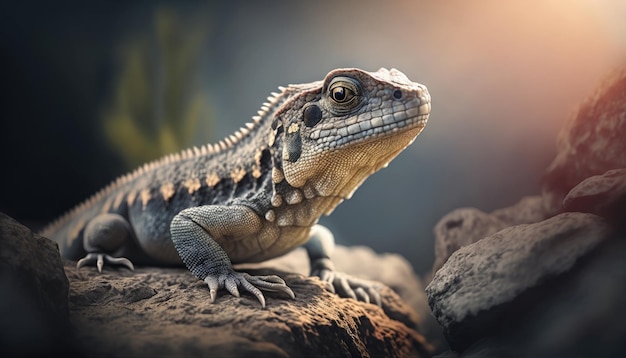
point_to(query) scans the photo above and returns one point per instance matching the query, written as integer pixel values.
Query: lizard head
(337, 132)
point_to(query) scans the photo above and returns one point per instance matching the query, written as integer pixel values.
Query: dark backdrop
(89, 89)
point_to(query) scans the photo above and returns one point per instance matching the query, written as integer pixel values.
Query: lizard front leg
(319, 248)
(195, 232)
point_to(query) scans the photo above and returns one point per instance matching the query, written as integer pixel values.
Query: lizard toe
(232, 281)
(100, 259)
(231, 286)
(213, 287)
(350, 287)
(253, 290)
(271, 283)
(362, 295)
(343, 287)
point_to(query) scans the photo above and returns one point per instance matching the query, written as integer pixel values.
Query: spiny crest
(204, 150)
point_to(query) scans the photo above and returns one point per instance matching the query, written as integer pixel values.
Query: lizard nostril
(397, 94)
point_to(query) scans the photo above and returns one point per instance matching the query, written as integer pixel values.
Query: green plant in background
(158, 100)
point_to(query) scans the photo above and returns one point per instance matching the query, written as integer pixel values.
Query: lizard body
(258, 193)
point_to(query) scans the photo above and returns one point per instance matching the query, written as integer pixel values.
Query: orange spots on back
(167, 190)
(237, 175)
(257, 156)
(192, 185)
(145, 197)
(212, 180)
(130, 199)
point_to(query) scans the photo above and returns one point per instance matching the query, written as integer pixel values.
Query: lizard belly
(271, 242)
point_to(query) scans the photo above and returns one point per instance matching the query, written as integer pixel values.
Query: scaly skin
(260, 192)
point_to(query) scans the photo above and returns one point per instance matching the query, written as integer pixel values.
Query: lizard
(258, 193)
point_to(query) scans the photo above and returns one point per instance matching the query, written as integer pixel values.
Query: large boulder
(484, 288)
(163, 312)
(33, 294)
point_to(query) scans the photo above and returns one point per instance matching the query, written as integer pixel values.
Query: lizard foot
(100, 259)
(345, 285)
(231, 280)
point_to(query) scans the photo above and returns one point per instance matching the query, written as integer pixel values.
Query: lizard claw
(100, 259)
(361, 290)
(232, 280)
(345, 285)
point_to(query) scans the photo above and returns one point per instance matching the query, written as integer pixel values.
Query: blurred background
(93, 89)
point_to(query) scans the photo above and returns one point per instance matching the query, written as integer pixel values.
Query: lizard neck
(291, 206)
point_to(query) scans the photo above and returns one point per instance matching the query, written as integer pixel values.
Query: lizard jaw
(384, 161)
(355, 164)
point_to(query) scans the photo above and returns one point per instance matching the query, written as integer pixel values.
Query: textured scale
(259, 192)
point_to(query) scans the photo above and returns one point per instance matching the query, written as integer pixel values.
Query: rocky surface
(603, 195)
(468, 296)
(591, 142)
(528, 210)
(362, 262)
(466, 226)
(546, 276)
(576, 314)
(33, 294)
(165, 312)
(462, 227)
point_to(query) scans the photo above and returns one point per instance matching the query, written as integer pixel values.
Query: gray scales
(258, 193)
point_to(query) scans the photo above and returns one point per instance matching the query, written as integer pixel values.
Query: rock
(160, 312)
(580, 314)
(545, 277)
(603, 195)
(390, 269)
(591, 142)
(34, 296)
(462, 227)
(396, 272)
(583, 315)
(483, 287)
(465, 226)
(528, 210)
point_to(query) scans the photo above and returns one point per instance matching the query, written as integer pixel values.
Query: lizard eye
(341, 94)
(343, 90)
